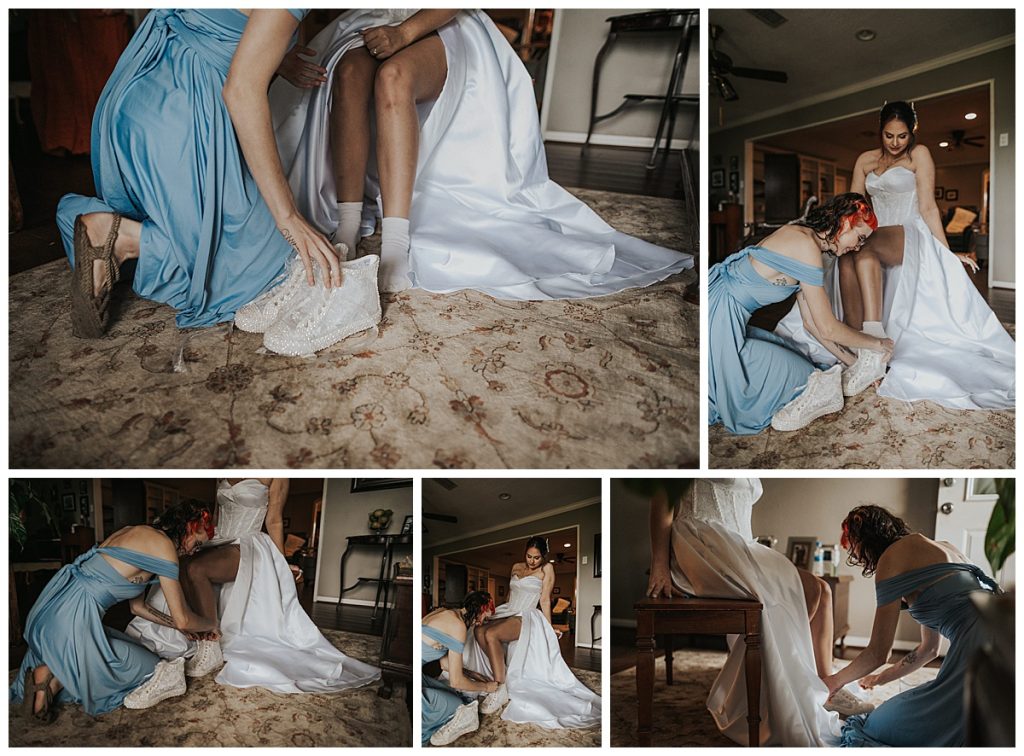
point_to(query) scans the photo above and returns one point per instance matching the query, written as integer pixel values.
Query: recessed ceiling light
(970, 116)
(567, 545)
(866, 35)
(943, 144)
(504, 496)
(552, 561)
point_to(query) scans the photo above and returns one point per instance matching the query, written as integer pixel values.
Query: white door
(962, 513)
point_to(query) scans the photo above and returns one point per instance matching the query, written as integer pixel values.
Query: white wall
(343, 514)
(637, 63)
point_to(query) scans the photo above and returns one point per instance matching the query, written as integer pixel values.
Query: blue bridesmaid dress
(931, 714)
(97, 665)
(164, 152)
(439, 701)
(752, 374)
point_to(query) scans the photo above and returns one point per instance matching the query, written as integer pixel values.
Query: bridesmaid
(754, 379)
(210, 229)
(73, 657)
(446, 716)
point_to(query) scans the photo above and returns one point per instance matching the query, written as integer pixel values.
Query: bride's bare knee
(393, 84)
(353, 76)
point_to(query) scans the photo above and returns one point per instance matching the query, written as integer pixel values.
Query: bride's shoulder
(920, 155)
(867, 161)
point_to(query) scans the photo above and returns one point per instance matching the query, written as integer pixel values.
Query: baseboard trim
(610, 140)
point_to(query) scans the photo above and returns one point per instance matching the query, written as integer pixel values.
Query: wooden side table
(840, 586)
(386, 542)
(396, 643)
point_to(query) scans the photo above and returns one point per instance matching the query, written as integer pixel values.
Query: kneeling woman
(74, 658)
(935, 582)
(446, 714)
(754, 377)
(518, 647)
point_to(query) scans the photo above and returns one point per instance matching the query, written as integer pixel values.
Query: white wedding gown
(714, 555)
(267, 638)
(542, 689)
(484, 214)
(950, 348)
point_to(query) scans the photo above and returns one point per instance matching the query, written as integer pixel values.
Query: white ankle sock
(874, 328)
(394, 254)
(350, 215)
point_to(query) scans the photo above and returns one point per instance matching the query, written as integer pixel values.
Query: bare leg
(39, 675)
(849, 291)
(219, 565)
(495, 634)
(818, 597)
(415, 74)
(126, 247)
(883, 247)
(352, 89)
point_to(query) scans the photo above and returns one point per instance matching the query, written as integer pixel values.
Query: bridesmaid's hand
(301, 73)
(384, 41)
(313, 249)
(969, 260)
(885, 346)
(869, 681)
(490, 686)
(833, 685)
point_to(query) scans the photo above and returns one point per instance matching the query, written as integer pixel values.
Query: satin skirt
(711, 561)
(950, 348)
(485, 215)
(542, 689)
(267, 638)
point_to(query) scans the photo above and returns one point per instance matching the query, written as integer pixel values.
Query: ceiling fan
(722, 66)
(562, 558)
(959, 138)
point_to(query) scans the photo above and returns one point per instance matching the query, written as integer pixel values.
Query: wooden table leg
(669, 650)
(644, 675)
(752, 665)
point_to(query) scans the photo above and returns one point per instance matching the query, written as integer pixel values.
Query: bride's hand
(313, 249)
(660, 584)
(968, 260)
(384, 41)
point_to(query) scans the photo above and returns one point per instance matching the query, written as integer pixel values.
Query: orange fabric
(71, 54)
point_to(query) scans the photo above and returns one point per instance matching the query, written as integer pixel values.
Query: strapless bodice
(727, 501)
(894, 196)
(242, 508)
(524, 593)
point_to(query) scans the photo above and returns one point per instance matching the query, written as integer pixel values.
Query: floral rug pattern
(211, 715)
(680, 715)
(453, 381)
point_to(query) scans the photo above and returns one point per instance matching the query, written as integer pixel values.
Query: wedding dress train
(267, 638)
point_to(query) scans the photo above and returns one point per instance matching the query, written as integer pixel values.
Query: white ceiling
(819, 51)
(476, 502)
(845, 139)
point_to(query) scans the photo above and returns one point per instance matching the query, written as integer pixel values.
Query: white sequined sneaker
(167, 681)
(822, 396)
(495, 701)
(208, 657)
(465, 721)
(846, 704)
(868, 368)
(257, 316)
(322, 317)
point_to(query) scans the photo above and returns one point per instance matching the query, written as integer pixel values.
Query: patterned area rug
(454, 381)
(875, 432)
(680, 715)
(219, 715)
(495, 732)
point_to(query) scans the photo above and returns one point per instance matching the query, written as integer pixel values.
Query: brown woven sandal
(46, 714)
(89, 313)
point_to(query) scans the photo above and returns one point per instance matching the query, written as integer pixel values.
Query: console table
(386, 543)
(396, 643)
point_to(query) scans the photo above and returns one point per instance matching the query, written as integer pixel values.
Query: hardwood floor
(615, 169)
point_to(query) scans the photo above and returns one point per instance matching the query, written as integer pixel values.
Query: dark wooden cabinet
(840, 586)
(396, 643)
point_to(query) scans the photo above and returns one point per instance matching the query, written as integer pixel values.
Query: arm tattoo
(138, 579)
(289, 238)
(165, 619)
(909, 659)
(781, 281)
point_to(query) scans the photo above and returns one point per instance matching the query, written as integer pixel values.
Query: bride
(456, 170)
(518, 648)
(264, 637)
(905, 284)
(703, 546)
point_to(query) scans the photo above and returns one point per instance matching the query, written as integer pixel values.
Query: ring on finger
(373, 51)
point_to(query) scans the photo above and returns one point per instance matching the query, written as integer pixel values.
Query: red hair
(862, 213)
(204, 522)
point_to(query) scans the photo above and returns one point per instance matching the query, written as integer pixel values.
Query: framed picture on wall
(556, 591)
(359, 485)
(597, 555)
(407, 525)
(940, 193)
(734, 162)
(800, 550)
(734, 181)
(718, 178)
(501, 591)
(83, 503)
(286, 522)
(67, 502)
(952, 195)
